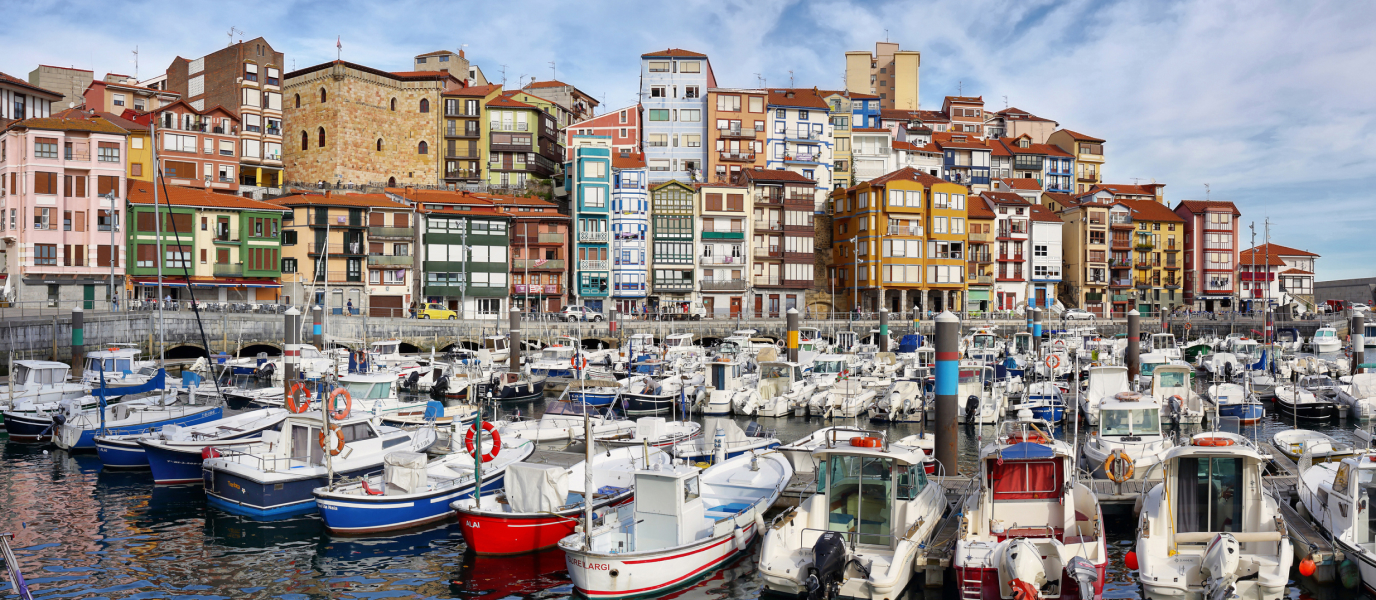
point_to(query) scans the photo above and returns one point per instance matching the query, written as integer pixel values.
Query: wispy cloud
(1268, 102)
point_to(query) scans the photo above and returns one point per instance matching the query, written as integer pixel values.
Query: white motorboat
(799, 452)
(1129, 427)
(779, 389)
(39, 382)
(1326, 341)
(903, 402)
(120, 367)
(728, 388)
(1233, 400)
(1213, 528)
(1319, 447)
(1360, 396)
(1164, 344)
(858, 536)
(724, 439)
(1031, 531)
(846, 399)
(1293, 401)
(1103, 382)
(563, 421)
(654, 431)
(1328, 491)
(1171, 388)
(982, 401)
(684, 522)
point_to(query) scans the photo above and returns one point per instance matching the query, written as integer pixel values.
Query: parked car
(1358, 307)
(435, 310)
(580, 313)
(1077, 314)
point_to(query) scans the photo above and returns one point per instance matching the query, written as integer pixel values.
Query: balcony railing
(555, 264)
(765, 280)
(1119, 263)
(334, 277)
(979, 237)
(1142, 244)
(981, 258)
(1142, 265)
(738, 156)
(736, 132)
(390, 261)
(463, 174)
(674, 285)
(551, 238)
(391, 232)
(1120, 283)
(806, 135)
(811, 158)
(592, 265)
(592, 236)
(723, 285)
(721, 260)
(982, 279)
(735, 234)
(770, 252)
(547, 289)
(1253, 276)
(351, 248)
(225, 270)
(763, 226)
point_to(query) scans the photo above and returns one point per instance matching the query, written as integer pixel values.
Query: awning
(978, 294)
(216, 282)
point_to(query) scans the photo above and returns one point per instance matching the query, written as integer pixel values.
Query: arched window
(298, 101)
(379, 144)
(394, 105)
(305, 140)
(322, 95)
(423, 148)
(322, 137)
(424, 105)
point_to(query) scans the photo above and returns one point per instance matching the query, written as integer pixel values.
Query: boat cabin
(830, 364)
(868, 488)
(37, 374)
(114, 362)
(776, 378)
(677, 340)
(1214, 490)
(386, 349)
(1162, 341)
(725, 374)
(982, 340)
(298, 440)
(375, 386)
(1354, 483)
(1129, 416)
(1022, 343)
(1171, 380)
(846, 341)
(1149, 361)
(641, 340)
(496, 343)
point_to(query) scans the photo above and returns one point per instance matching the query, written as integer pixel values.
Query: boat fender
(332, 440)
(294, 404)
(331, 404)
(1119, 467)
(469, 440)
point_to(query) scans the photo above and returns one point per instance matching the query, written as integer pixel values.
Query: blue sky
(1269, 103)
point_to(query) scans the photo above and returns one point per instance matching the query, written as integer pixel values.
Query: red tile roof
(800, 97)
(1018, 114)
(906, 146)
(71, 123)
(356, 200)
(122, 122)
(634, 161)
(1150, 210)
(977, 208)
(1248, 258)
(1082, 137)
(1203, 206)
(900, 114)
(477, 91)
(1021, 183)
(1039, 149)
(871, 129)
(1279, 250)
(948, 139)
(1125, 189)
(141, 192)
(1004, 198)
(6, 78)
(776, 176)
(547, 84)
(505, 100)
(908, 174)
(1043, 214)
(677, 52)
(1295, 272)
(1060, 197)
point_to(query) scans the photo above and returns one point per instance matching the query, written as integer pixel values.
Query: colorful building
(1011, 251)
(673, 92)
(630, 229)
(1277, 275)
(213, 246)
(63, 179)
(736, 135)
(466, 262)
(466, 132)
(588, 177)
(580, 104)
(672, 247)
(326, 249)
(622, 126)
(1015, 122)
(1086, 235)
(979, 256)
(21, 100)
(198, 148)
(724, 260)
(1211, 253)
(799, 137)
(966, 159)
(1089, 157)
(524, 142)
(1047, 247)
(890, 74)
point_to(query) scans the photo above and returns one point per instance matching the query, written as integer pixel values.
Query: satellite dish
(71, 105)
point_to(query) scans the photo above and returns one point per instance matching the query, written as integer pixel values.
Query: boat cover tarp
(405, 470)
(158, 382)
(536, 488)
(1107, 381)
(1364, 385)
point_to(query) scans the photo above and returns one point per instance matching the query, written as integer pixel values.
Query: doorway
(735, 307)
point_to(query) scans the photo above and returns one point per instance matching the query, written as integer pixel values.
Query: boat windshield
(774, 372)
(1209, 494)
(1130, 421)
(826, 367)
(858, 490)
(1148, 367)
(984, 341)
(367, 390)
(21, 375)
(1318, 381)
(1022, 344)
(1174, 379)
(970, 376)
(672, 342)
(1321, 333)
(386, 349)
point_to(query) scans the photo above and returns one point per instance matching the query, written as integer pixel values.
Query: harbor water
(82, 532)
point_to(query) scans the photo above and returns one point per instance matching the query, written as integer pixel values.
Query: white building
(1047, 259)
(1279, 273)
(673, 94)
(800, 137)
(630, 228)
(872, 153)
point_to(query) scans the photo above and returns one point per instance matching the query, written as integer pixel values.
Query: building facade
(68, 82)
(979, 257)
(672, 246)
(466, 133)
(799, 137)
(64, 187)
(350, 124)
(1014, 122)
(588, 179)
(630, 232)
(724, 258)
(1086, 235)
(326, 249)
(1210, 253)
(1011, 249)
(116, 94)
(23, 100)
(196, 148)
(622, 126)
(1047, 250)
(1276, 275)
(466, 261)
(890, 74)
(736, 133)
(246, 79)
(524, 142)
(581, 105)
(1089, 157)
(673, 92)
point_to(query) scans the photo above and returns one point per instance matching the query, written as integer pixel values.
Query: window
(320, 134)
(691, 91)
(656, 114)
(44, 183)
(692, 141)
(691, 66)
(322, 95)
(109, 152)
(657, 140)
(41, 218)
(659, 66)
(305, 141)
(45, 254)
(658, 91)
(298, 101)
(424, 105)
(118, 99)
(45, 148)
(421, 148)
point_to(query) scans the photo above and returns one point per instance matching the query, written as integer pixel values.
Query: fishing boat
(859, 534)
(1296, 402)
(563, 420)
(1328, 491)
(1128, 433)
(1103, 382)
(646, 395)
(1212, 528)
(175, 453)
(411, 491)
(39, 382)
(1031, 530)
(555, 361)
(655, 431)
(117, 367)
(28, 421)
(1045, 400)
(684, 522)
(516, 387)
(540, 503)
(276, 476)
(116, 441)
(724, 439)
(1164, 344)
(1171, 388)
(799, 452)
(1319, 447)
(593, 392)
(1235, 401)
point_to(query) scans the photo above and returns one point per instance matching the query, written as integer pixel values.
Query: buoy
(1307, 566)
(1350, 575)
(1131, 560)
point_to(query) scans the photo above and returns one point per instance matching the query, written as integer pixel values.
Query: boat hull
(600, 575)
(121, 454)
(645, 405)
(500, 534)
(707, 455)
(592, 398)
(520, 393)
(29, 428)
(359, 515)
(983, 583)
(1245, 413)
(1053, 414)
(1317, 411)
(237, 494)
(87, 440)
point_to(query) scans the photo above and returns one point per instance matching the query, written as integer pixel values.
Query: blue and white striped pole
(1037, 329)
(947, 381)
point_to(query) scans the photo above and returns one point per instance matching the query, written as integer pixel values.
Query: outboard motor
(1220, 567)
(753, 429)
(412, 382)
(1021, 569)
(264, 371)
(1228, 371)
(1085, 576)
(971, 408)
(828, 565)
(1176, 409)
(440, 386)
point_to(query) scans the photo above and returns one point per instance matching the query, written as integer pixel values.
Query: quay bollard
(883, 330)
(1133, 354)
(513, 363)
(947, 381)
(78, 341)
(791, 322)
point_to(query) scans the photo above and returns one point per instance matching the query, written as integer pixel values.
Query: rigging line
(186, 272)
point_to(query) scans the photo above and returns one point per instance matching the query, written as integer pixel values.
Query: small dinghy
(1320, 447)
(1233, 400)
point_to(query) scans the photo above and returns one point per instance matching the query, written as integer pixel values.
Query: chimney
(460, 52)
(327, 193)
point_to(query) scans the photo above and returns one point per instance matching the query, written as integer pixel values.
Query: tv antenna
(761, 78)
(233, 30)
(1005, 103)
(554, 71)
(790, 79)
(960, 88)
(136, 63)
(1206, 191)
(503, 75)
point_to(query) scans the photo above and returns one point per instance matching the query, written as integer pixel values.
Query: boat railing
(852, 538)
(267, 464)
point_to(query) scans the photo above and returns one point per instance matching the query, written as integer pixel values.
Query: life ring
(1127, 396)
(1095, 364)
(1033, 438)
(1187, 327)
(336, 414)
(1058, 344)
(1211, 441)
(865, 442)
(469, 441)
(1120, 474)
(297, 389)
(338, 436)
(1053, 361)
(574, 361)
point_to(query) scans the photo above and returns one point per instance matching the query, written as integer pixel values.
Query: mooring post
(513, 363)
(291, 351)
(1037, 329)
(318, 330)
(1356, 333)
(79, 340)
(883, 330)
(1133, 354)
(947, 380)
(791, 336)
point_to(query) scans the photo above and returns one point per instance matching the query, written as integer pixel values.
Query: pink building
(622, 126)
(60, 235)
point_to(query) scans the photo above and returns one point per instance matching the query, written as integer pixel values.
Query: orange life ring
(1187, 327)
(574, 361)
(469, 441)
(1035, 438)
(297, 389)
(1213, 441)
(1058, 344)
(337, 434)
(336, 414)
(1053, 361)
(865, 442)
(1115, 475)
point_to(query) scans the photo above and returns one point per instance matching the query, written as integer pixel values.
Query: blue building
(588, 178)
(864, 110)
(673, 94)
(630, 228)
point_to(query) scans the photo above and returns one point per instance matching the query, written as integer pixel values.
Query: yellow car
(437, 311)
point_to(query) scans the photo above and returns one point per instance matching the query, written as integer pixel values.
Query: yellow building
(137, 166)
(1156, 236)
(327, 247)
(466, 132)
(900, 243)
(889, 73)
(1089, 157)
